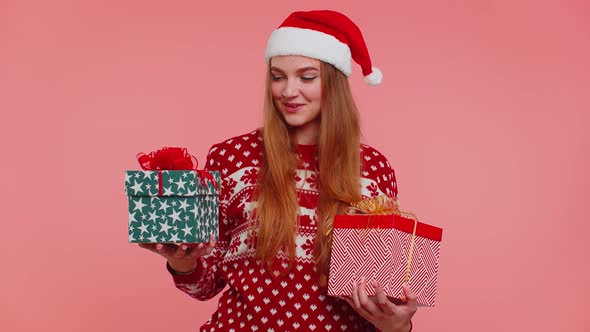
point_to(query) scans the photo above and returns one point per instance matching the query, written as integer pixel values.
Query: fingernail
(183, 247)
(159, 246)
(200, 246)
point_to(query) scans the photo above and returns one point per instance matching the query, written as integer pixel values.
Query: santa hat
(324, 35)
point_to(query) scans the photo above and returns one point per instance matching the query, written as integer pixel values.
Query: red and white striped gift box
(377, 247)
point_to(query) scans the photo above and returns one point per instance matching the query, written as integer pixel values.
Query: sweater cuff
(186, 278)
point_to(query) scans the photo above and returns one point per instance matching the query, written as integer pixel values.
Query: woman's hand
(385, 315)
(181, 258)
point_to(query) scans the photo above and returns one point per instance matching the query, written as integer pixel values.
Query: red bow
(172, 158)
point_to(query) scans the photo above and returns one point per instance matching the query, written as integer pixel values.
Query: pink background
(484, 113)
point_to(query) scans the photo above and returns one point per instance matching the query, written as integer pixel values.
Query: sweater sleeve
(377, 169)
(205, 282)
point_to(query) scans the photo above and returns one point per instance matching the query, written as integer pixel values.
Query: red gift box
(391, 249)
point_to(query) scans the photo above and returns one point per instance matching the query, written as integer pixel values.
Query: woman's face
(296, 88)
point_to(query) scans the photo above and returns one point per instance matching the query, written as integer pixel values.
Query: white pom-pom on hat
(375, 77)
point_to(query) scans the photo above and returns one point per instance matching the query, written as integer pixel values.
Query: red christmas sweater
(257, 300)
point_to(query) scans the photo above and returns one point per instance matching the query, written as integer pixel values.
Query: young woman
(282, 186)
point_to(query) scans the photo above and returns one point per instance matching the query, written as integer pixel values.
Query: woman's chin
(296, 124)
(298, 120)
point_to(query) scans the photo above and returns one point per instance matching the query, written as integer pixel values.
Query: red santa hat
(324, 35)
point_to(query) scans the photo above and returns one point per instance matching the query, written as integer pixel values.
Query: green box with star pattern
(180, 209)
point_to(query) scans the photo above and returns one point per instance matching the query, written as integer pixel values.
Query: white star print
(137, 187)
(186, 230)
(180, 183)
(164, 227)
(183, 205)
(195, 211)
(168, 191)
(143, 228)
(132, 217)
(174, 237)
(164, 206)
(139, 205)
(153, 216)
(175, 216)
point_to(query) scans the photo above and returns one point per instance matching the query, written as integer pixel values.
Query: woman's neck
(307, 134)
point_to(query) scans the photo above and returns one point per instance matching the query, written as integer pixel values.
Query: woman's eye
(304, 78)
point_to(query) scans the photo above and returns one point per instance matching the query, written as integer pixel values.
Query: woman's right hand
(181, 258)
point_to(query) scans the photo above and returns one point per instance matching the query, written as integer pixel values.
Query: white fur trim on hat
(375, 77)
(311, 43)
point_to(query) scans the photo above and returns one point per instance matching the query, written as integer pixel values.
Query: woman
(282, 186)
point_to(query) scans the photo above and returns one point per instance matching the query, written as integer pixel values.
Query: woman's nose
(291, 88)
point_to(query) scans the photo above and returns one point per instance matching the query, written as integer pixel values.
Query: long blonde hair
(276, 215)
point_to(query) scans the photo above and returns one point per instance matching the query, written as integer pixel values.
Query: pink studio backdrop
(484, 113)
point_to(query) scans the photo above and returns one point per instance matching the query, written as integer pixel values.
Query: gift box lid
(371, 221)
(173, 183)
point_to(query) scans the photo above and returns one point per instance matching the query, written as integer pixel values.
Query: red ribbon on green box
(172, 158)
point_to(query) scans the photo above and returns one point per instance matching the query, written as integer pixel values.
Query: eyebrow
(300, 70)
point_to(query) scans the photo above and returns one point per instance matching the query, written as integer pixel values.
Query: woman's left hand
(382, 313)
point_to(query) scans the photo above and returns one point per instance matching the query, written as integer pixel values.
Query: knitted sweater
(257, 300)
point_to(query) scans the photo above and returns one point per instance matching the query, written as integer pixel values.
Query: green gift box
(172, 206)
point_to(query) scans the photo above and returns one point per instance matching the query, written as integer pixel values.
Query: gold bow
(380, 205)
